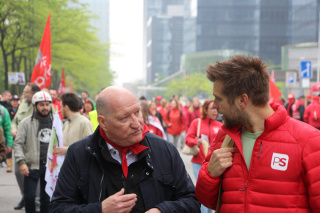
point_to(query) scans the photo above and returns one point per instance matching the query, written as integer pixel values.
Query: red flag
(62, 85)
(274, 93)
(42, 69)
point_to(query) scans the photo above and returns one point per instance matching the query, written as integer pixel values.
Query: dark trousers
(30, 186)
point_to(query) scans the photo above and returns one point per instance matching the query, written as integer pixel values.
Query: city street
(10, 194)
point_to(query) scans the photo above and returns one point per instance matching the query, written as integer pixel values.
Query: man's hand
(119, 202)
(199, 141)
(60, 150)
(220, 160)
(9, 149)
(14, 132)
(24, 170)
(154, 210)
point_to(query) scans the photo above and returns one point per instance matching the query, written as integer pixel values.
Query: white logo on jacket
(279, 161)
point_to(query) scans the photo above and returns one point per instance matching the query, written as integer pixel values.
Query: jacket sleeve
(2, 147)
(207, 187)
(19, 142)
(184, 199)
(67, 195)
(311, 164)
(87, 129)
(7, 128)
(191, 139)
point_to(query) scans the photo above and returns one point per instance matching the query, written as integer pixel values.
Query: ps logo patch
(279, 161)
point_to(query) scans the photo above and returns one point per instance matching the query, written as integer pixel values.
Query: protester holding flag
(30, 150)
(42, 70)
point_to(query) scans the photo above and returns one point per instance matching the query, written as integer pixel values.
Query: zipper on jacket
(260, 149)
(245, 186)
(246, 196)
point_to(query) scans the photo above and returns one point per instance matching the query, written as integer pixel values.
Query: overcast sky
(126, 34)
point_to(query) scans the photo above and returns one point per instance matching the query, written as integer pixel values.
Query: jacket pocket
(83, 186)
(167, 185)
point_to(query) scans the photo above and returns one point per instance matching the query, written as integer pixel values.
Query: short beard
(238, 118)
(42, 115)
(27, 100)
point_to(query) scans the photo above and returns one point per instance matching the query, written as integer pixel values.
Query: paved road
(10, 193)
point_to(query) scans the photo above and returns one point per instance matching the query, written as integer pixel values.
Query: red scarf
(135, 148)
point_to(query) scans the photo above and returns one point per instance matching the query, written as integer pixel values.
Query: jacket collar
(278, 118)
(94, 148)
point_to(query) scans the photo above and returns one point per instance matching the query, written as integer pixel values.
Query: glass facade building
(164, 46)
(257, 26)
(100, 9)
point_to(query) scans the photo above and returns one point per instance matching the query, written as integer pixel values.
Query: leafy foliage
(73, 42)
(190, 86)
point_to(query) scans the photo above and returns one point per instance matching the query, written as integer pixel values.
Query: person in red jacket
(151, 120)
(274, 163)
(312, 113)
(175, 122)
(193, 111)
(209, 128)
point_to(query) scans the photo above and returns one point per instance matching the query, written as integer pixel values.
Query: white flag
(54, 162)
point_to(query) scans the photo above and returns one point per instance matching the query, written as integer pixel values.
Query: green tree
(190, 86)
(73, 42)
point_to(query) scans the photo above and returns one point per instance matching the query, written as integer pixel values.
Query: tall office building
(257, 26)
(154, 11)
(165, 43)
(99, 8)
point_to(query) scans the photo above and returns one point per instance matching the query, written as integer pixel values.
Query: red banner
(62, 85)
(274, 93)
(42, 69)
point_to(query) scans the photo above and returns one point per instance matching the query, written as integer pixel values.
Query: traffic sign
(305, 69)
(291, 79)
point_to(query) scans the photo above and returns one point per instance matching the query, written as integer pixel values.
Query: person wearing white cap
(30, 150)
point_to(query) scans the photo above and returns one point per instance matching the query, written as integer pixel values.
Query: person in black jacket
(121, 167)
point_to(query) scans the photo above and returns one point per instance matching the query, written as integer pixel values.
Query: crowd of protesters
(183, 123)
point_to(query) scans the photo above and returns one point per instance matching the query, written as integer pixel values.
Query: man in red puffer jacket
(274, 165)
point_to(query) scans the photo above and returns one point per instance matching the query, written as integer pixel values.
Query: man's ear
(243, 99)
(66, 107)
(101, 122)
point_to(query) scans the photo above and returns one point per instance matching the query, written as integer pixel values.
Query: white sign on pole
(291, 79)
(16, 78)
(305, 83)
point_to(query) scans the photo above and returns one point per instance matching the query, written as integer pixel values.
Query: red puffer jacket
(209, 128)
(284, 172)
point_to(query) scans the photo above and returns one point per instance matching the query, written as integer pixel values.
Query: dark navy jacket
(164, 184)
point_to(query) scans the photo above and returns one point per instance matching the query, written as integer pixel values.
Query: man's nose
(215, 106)
(135, 122)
